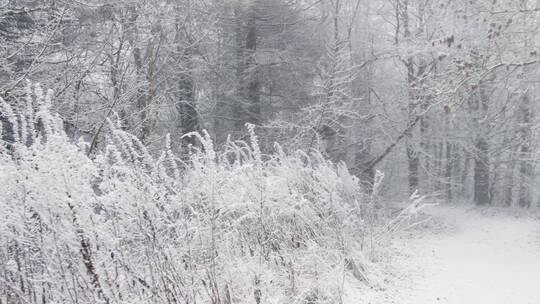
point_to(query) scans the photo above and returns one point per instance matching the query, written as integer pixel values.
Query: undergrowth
(124, 226)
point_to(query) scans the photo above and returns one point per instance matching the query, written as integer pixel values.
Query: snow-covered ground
(467, 256)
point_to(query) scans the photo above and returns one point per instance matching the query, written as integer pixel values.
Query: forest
(258, 151)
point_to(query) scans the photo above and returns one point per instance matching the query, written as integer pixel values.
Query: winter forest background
(245, 151)
(439, 95)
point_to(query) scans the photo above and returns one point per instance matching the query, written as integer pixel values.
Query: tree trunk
(236, 107)
(253, 88)
(508, 193)
(146, 90)
(481, 179)
(413, 164)
(248, 107)
(525, 166)
(448, 171)
(145, 101)
(417, 67)
(481, 172)
(186, 104)
(361, 166)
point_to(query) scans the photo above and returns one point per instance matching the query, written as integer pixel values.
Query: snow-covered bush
(123, 226)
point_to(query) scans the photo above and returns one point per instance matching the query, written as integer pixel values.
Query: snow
(467, 256)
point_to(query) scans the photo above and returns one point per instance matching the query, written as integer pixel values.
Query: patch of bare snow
(466, 256)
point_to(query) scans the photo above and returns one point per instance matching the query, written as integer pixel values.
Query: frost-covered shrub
(123, 226)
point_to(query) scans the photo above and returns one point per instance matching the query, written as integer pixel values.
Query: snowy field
(467, 256)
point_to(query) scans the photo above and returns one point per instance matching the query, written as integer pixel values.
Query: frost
(127, 227)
